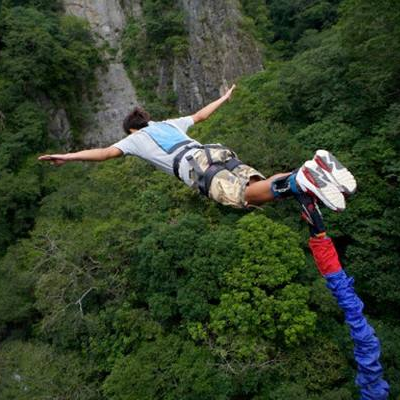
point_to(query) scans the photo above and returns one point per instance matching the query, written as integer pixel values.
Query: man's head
(137, 119)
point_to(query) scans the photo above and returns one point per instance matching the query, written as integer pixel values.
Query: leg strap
(231, 164)
(206, 180)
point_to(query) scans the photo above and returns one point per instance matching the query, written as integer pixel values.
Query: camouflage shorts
(228, 187)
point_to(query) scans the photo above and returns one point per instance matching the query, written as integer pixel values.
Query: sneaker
(336, 171)
(312, 179)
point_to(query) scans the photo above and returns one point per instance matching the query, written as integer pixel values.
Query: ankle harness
(285, 187)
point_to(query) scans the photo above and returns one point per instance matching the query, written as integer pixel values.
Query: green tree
(45, 59)
(31, 370)
(292, 18)
(168, 368)
(260, 310)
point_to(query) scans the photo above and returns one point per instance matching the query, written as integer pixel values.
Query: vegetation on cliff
(47, 61)
(152, 44)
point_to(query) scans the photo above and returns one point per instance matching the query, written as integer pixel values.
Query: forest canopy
(125, 284)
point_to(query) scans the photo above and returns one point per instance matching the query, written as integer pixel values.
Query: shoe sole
(335, 170)
(312, 179)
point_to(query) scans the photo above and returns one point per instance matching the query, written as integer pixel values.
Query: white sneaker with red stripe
(336, 171)
(312, 179)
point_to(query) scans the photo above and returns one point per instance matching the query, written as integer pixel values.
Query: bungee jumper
(213, 169)
(216, 172)
(366, 345)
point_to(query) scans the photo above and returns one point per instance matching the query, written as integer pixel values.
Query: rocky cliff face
(116, 95)
(219, 52)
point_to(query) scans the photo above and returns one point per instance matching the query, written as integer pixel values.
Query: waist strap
(180, 155)
(204, 179)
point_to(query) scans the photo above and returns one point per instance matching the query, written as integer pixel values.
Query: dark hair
(137, 119)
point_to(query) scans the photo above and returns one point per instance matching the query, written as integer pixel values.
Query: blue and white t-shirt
(159, 143)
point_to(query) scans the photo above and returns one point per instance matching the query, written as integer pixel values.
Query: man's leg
(291, 184)
(323, 176)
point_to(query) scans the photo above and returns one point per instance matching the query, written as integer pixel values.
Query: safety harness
(205, 177)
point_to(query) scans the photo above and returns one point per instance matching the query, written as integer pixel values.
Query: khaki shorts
(228, 187)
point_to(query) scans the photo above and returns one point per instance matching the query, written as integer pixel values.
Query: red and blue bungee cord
(366, 344)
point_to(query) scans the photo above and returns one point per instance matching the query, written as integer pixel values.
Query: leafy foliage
(259, 307)
(46, 59)
(148, 291)
(168, 368)
(32, 370)
(292, 19)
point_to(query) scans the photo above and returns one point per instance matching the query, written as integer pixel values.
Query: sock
(285, 187)
(293, 184)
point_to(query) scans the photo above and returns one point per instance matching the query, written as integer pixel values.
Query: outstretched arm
(84, 155)
(205, 112)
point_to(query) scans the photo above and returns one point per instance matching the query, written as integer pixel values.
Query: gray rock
(106, 17)
(116, 98)
(116, 95)
(59, 129)
(220, 52)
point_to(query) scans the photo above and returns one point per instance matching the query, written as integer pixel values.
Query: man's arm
(84, 155)
(205, 112)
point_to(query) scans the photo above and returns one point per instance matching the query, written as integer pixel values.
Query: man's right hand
(55, 159)
(205, 112)
(228, 93)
